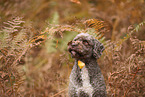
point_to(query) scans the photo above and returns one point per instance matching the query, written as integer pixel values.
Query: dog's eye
(85, 42)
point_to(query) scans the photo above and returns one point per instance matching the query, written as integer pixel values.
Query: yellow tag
(81, 64)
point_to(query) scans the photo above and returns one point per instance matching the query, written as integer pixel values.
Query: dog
(88, 81)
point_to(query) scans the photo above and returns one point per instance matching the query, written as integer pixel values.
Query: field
(34, 61)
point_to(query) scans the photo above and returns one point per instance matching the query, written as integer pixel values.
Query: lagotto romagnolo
(87, 81)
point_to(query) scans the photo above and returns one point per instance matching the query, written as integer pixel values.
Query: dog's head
(85, 46)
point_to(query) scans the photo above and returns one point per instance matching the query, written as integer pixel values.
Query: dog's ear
(98, 49)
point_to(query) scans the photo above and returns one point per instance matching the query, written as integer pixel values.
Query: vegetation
(34, 61)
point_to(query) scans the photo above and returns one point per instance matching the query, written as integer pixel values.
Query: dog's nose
(74, 43)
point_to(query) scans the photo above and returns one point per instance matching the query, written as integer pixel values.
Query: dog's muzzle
(74, 48)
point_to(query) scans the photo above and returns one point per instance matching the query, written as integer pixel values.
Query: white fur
(87, 87)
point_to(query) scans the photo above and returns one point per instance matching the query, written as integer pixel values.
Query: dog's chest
(80, 81)
(86, 86)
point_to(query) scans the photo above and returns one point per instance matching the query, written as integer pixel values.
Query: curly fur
(88, 81)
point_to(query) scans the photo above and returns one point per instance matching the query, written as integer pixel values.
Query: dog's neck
(91, 65)
(90, 61)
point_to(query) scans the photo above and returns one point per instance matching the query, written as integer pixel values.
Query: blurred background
(34, 61)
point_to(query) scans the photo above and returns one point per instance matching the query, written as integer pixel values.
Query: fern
(136, 29)
(125, 68)
(13, 34)
(58, 33)
(14, 44)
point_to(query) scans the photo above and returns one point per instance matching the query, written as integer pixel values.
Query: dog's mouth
(74, 50)
(74, 53)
